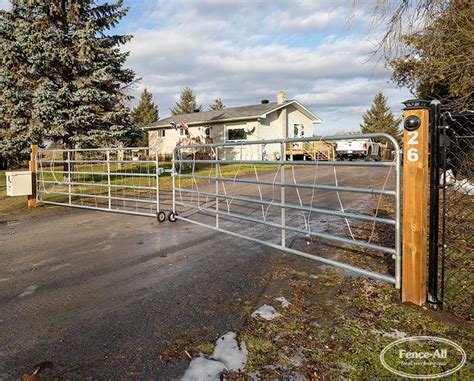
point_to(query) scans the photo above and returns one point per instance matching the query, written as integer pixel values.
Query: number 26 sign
(412, 152)
(411, 125)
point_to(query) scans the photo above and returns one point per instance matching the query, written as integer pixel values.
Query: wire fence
(456, 213)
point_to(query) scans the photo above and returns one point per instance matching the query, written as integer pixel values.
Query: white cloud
(245, 51)
(5, 4)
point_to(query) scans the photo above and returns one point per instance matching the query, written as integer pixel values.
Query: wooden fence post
(32, 167)
(415, 200)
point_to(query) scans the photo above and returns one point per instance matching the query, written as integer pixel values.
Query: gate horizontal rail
(293, 185)
(101, 173)
(97, 184)
(331, 237)
(222, 154)
(296, 163)
(102, 197)
(354, 216)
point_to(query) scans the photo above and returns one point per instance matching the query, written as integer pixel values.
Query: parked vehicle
(358, 148)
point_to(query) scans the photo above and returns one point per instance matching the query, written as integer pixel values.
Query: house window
(207, 131)
(183, 132)
(161, 133)
(298, 130)
(236, 134)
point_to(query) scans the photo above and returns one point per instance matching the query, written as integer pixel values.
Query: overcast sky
(245, 51)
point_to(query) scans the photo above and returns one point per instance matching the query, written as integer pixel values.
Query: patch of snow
(228, 352)
(284, 302)
(267, 312)
(463, 186)
(226, 356)
(450, 179)
(203, 369)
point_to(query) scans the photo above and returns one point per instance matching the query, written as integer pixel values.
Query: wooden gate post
(32, 167)
(415, 200)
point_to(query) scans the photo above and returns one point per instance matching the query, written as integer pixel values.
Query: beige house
(263, 121)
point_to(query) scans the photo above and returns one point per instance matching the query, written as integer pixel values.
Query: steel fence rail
(292, 185)
(331, 237)
(354, 216)
(124, 211)
(102, 161)
(103, 197)
(101, 173)
(92, 184)
(296, 163)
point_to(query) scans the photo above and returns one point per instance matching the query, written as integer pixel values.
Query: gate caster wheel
(172, 217)
(161, 216)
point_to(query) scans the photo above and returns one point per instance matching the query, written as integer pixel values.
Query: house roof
(229, 114)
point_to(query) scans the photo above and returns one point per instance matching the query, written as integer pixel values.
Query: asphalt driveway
(102, 295)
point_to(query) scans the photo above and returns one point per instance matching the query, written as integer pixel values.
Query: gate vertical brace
(434, 204)
(108, 178)
(217, 186)
(173, 179)
(69, 176)
(282, 191)
(157, 179)
(415, 201)
(398, 216)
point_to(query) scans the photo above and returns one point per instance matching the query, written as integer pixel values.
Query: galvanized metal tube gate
(213, 202)
(119, 180)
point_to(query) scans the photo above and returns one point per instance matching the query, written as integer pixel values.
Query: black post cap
(416, 104)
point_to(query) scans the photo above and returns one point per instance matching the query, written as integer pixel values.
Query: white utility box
(19, 183)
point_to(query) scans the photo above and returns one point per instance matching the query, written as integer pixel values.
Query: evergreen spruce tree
(61, 74)
(144, 114)
(146, 111)
(186, 104)
(379, 118)
(217, 105)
